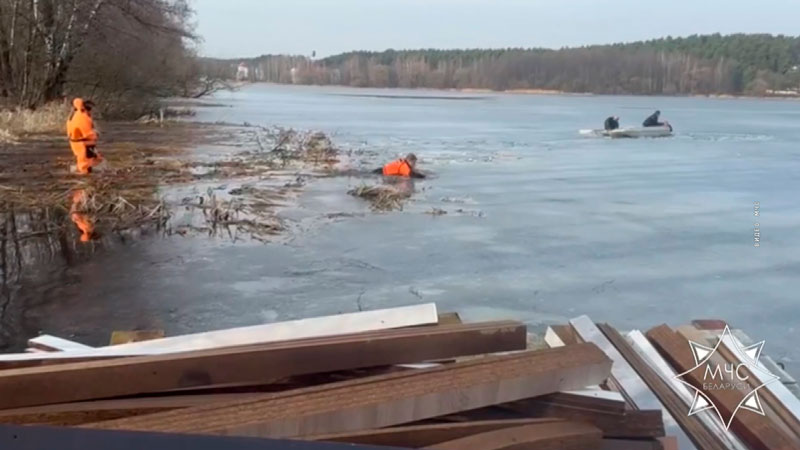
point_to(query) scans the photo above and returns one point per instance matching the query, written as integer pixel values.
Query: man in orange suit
(404, 167)
(83, 137)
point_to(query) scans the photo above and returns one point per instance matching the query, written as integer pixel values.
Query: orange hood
(78, 104)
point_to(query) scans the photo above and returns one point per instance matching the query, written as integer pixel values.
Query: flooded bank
(539, 224)
(217, 182)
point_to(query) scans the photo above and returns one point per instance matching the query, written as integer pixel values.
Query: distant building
(242, 72)
(294, 75)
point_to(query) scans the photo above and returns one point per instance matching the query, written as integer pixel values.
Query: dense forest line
(123, 54)
(756, 64)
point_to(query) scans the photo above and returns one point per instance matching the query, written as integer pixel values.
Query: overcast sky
(240, 28)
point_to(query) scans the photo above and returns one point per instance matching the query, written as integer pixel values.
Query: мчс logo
(733, 383)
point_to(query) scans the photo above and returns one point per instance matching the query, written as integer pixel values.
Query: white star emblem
(748, 357)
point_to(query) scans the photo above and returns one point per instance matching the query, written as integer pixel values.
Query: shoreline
(532, 92)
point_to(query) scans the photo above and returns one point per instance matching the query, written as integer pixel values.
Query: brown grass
(50, 118)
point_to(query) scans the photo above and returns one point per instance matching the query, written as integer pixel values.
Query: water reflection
(82, 220)
(35, 246)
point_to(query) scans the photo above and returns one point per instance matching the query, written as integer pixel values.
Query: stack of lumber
(658, 370)
(398, 378)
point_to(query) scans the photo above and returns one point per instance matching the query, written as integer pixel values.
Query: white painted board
(384, 319)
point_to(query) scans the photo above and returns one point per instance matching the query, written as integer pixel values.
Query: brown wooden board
(702, 438)
(70, 414)
(253, 364)
(542, 436)
(631, 424)
(758, 432)
(709, 324)
(66, 438)
(388, 400)
(417, 436)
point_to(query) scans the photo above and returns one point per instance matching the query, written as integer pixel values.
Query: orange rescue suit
(399, 168)
(81, 134)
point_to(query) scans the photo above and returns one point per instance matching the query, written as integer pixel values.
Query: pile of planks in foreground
(648, 368)
(399, 378)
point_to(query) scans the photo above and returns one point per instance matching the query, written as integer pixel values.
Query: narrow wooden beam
(255, 364)
(418, 436)
(358, 322)
(388, 400)
(554, 436)
(65, 438)
(759, 432)
(633, 424)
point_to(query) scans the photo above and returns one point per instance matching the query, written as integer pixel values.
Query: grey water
(542, 223)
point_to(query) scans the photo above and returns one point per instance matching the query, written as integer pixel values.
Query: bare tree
(122, 50)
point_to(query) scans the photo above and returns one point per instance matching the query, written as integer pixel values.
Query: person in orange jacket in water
(82, 136)
(404, 167)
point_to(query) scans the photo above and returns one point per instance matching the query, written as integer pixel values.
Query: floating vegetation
(382, 198)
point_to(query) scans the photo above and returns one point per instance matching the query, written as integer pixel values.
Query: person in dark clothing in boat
(612, 123)
(652, 121)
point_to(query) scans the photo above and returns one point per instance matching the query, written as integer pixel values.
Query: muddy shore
(186, 179)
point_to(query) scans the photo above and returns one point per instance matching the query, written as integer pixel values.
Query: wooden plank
(691, 429)
(758, 432)
(64, 438)
(70, 414)
(631, 424)
(543, 436)
(76, 413)
(125, 337)
(257, 364)
(55, 344)
(407, 316)
(633, 387)
(709, 324)
(775, 396)
(388, 400)
(709, 420)
(417, 436)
